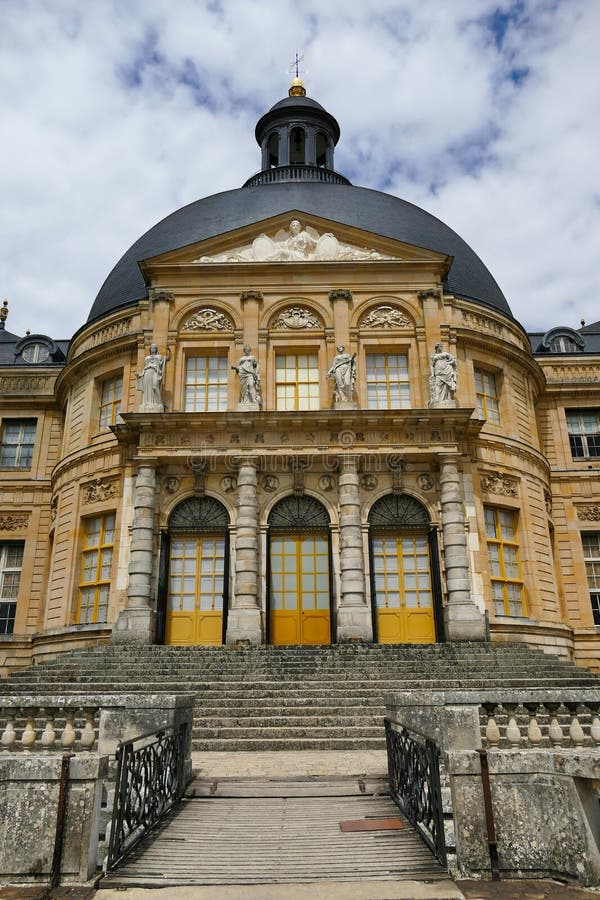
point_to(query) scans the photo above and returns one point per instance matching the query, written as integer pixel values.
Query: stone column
(137, 621)
(244, 619)
(353, 616)
(462, 618)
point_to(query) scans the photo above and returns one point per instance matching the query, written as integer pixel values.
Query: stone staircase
(294, 698)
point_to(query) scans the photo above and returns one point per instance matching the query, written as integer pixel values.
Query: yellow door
(299, 611)
(195, 597)
(403, 595)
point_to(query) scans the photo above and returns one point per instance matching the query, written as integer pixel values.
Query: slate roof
(353, 206)
(590, 333)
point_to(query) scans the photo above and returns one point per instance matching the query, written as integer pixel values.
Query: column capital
(160, 296)
(340, 294)
(257, 296)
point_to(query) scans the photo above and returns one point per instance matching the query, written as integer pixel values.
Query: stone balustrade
(50, 726)
(541, 723)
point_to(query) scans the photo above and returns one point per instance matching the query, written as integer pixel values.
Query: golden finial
(3, 313)
(297, 88)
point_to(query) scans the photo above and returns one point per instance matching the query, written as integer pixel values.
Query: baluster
(9, 735)
(575, 730)
(555, 732)
(68, 735)
(88, 735)
(534, 732)
(28, 736)
(595, 729)
(513, 732)
(492, 732)
(48, 737)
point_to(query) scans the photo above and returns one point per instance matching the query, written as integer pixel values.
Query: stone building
(257, 437)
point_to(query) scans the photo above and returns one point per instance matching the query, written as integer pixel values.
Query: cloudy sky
(113, 114)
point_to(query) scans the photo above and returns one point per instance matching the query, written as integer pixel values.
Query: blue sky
(113, 114)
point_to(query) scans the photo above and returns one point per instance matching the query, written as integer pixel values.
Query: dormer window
(562, 340)
(35, 349)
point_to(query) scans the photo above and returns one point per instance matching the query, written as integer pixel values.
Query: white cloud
(113, 115)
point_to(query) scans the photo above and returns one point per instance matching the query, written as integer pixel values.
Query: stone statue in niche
(343, 373)
(294, 243)
(248, 374)
(150, 381)
(442, 378)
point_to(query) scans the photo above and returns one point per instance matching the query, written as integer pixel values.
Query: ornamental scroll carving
(384, 317)
(589, 513)
(101, 489)
(23, 384)
(296, 317)
(13, 523)
(496, 483)
(208, 319)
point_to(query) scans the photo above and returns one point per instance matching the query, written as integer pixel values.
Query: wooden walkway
(224, 839)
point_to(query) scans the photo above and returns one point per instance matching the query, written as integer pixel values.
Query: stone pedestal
(345, 404)
(463, 620)
(244, 619)
(248, 407)
(137, 622)
(443, 404)
(354, 616)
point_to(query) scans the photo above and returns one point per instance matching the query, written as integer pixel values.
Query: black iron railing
(414, 773)
(150, 781)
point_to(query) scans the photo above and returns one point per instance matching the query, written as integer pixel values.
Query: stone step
(241, 744)
(302, 786)
(260, 732)
(205, 725)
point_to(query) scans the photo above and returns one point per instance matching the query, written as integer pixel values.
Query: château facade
(255, 437)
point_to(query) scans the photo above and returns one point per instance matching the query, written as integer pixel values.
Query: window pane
(18, 438)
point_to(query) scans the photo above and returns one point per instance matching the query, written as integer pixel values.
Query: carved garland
(589, 513)
(384, 317)
(13, 523)
(100, 489)
(496, 483)
(296, 317)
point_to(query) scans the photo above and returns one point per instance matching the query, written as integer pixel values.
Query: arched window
(297, 150)
(321, 149)
(197, 579)
(273, 150)
(401, 571)
(562, 343)
(299, 580)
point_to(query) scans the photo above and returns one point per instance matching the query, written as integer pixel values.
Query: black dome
(354, 206)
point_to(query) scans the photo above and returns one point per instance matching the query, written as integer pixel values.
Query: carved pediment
(295, 243)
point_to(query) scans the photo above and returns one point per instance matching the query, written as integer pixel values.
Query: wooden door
(195, 590)
(299, 590)
(403, 593)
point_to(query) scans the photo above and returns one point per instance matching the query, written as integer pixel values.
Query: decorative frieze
(101, 489)
(497, 483)
(482, 323)
(24, 384)
(208, 319)
(575, 374)
(108, 333)
(384, 316)
(10, 522)
(296, 317)
(589, 513)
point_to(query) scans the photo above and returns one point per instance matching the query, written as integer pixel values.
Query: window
(584, 432)
(297, 381)
(35, 353)
(206, 384)
(487, 395)
(110, 401)
(503, 555)
(591, 552)
(387, 381)
(18, 436)
(96, 567)
(11, 561)
(563, 344)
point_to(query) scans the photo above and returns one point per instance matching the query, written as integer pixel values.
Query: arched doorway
(402, 580)
(195, 593)
(299, 572)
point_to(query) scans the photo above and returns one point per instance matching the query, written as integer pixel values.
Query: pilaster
(462, 618)
(137, 621)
